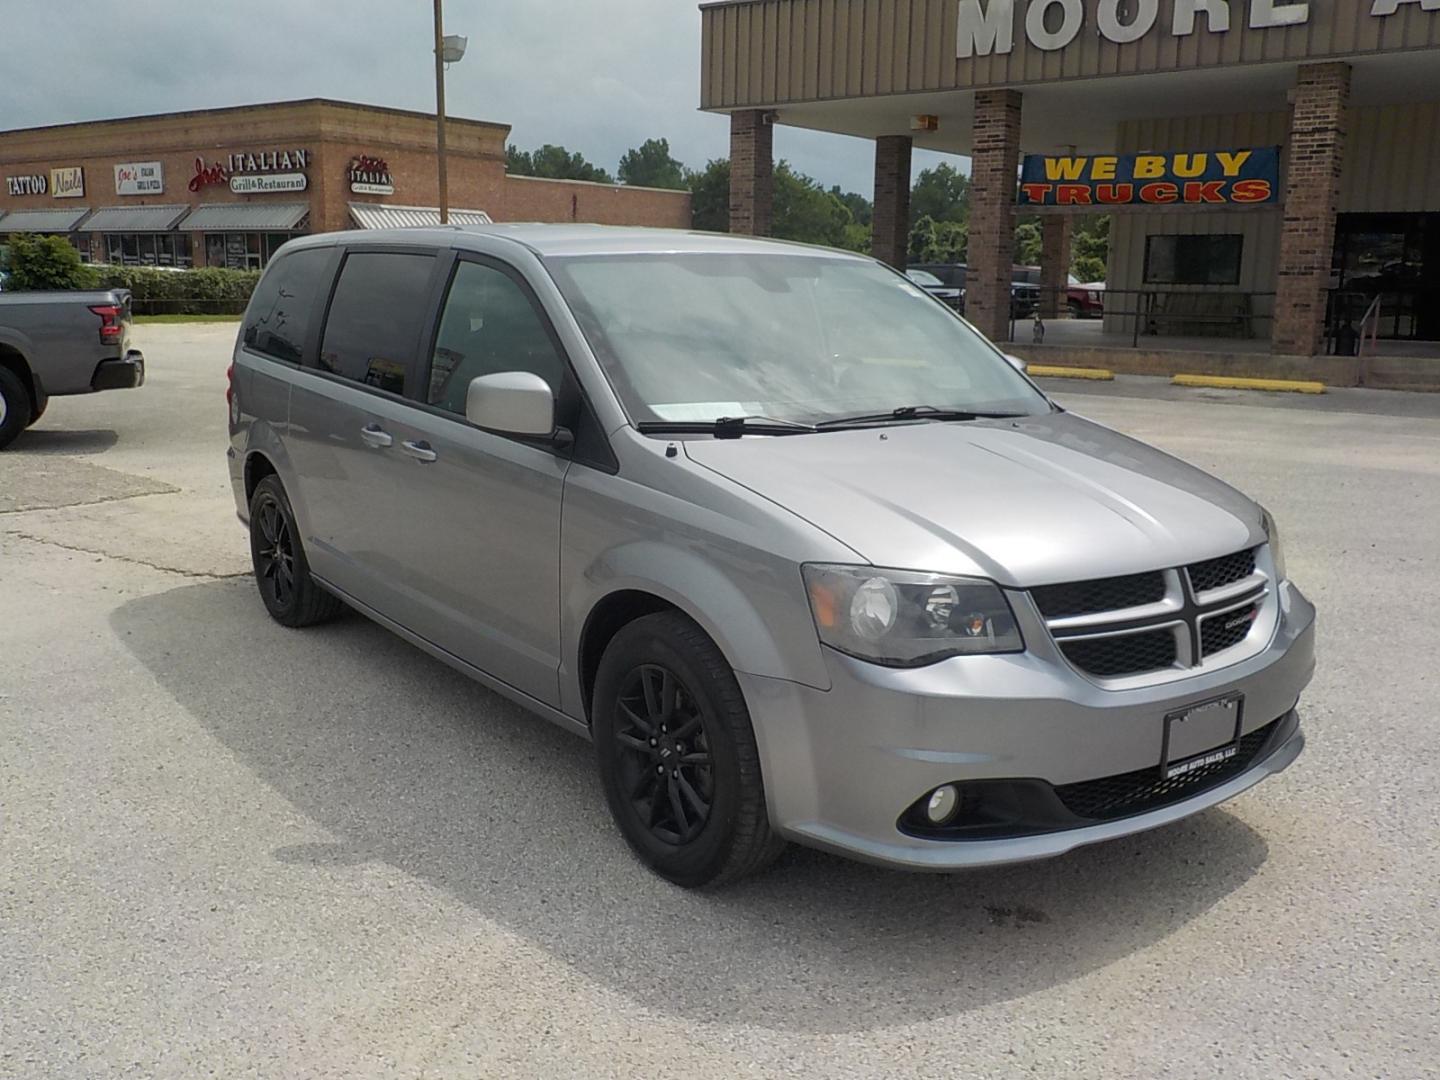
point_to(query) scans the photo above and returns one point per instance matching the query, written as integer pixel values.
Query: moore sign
(988, 26)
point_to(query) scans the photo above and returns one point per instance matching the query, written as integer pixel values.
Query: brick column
(995, 163)
(1312, 191)
(1054, 264)
(890, 229)
(752, 172)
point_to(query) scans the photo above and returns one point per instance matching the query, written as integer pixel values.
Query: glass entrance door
(1397, 258)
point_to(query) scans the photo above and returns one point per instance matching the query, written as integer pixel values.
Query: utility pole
(440, 112)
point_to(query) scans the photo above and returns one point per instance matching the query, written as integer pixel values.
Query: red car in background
(1085, 300)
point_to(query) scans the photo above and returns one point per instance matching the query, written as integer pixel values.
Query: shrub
(205, 291)
(47, 262)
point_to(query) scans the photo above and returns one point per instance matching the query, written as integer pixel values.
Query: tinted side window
(489, 325)
(375, 318)
(287, 304)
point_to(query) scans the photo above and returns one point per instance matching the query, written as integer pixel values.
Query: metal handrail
(1371, 320)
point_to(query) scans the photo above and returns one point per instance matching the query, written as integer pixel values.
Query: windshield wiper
(725, 427)
(913, 412)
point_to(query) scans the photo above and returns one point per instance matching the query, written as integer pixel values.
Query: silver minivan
(802, 554)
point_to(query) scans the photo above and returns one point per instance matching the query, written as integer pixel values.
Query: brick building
(225, 187)
(1272, 167)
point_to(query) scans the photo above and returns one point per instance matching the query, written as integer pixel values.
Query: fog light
(944, 801)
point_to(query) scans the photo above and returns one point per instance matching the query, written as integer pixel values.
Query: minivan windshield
(801, 338)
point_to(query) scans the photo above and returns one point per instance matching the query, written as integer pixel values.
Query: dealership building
(1272, 169)
(226, 187)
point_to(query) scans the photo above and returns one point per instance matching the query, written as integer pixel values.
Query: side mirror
(1019, 365)
(512, 403)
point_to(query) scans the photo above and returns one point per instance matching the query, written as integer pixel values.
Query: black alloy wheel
(290, 595)
(666, 764)
(677, 754)
(275, 559)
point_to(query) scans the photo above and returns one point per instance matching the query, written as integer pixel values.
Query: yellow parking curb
(1226, 382)
(1041, 371)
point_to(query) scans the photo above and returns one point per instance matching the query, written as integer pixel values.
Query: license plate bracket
(1206, 733)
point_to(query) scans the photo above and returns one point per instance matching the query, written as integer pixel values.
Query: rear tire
(677, 755)
(290, 594)
(14, 407)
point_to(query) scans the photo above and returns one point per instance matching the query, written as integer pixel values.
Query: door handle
(420, 451)
(377, 438)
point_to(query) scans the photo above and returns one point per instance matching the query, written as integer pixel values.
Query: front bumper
(842, 766)
(125, 374)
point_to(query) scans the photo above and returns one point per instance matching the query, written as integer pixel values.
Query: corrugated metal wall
(1392, 165)
(761, 53)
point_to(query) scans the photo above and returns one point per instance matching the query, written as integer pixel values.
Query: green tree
(805, 211)
(710, 196)
(651, 165)
(861, 209)
(1090, 247)
(938, 241)
(554, 163)
(941, 193)
(47, 262)
(1029, 242)
(856, 237)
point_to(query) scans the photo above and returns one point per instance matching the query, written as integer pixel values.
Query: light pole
(448, 50)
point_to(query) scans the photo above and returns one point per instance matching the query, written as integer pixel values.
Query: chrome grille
(1163, 620)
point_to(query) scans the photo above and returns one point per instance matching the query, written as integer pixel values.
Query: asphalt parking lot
(230, 849)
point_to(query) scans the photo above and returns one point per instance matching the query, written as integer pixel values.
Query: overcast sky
(598, 76)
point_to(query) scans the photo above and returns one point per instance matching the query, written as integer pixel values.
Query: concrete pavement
(232, 849)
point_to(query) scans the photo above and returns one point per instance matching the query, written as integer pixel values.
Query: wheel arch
(648, 576)
(257, 466)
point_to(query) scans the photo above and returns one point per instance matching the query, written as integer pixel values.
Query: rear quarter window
(287, 304)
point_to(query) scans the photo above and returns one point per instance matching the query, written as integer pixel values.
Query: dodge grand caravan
(798, 550)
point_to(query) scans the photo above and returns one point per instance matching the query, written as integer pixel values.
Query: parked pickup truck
(57, 343)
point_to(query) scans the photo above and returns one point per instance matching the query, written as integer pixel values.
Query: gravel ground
(228, 849)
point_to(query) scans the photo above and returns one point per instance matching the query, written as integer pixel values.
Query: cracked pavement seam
(194, 574)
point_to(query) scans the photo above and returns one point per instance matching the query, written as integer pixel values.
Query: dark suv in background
(1024, 296)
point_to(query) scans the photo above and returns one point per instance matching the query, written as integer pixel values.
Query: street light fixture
(449, 49)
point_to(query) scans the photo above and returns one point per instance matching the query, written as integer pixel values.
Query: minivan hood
(1025, 502)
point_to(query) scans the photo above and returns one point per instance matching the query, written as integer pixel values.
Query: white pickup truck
(59, 343)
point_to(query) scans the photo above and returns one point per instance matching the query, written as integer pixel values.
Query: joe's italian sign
(1198, 178)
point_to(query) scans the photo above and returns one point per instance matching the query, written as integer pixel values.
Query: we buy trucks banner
(1193, 178)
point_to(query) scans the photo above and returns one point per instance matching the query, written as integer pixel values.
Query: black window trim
(311, 359)
(573, 388)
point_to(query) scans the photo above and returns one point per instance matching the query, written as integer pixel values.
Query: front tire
(677, 755)
(14, 407)
(290, 594)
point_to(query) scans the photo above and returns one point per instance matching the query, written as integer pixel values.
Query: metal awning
(135, 219)
(246, 217)
(377, 216)
(44, 221)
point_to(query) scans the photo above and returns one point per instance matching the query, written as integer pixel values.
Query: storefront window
(1204, 259)
(148, 249)
(243, 251)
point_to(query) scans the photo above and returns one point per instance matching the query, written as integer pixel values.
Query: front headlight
(904, 618)
(1277, 552)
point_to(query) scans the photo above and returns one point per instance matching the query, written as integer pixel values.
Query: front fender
(763, 628)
